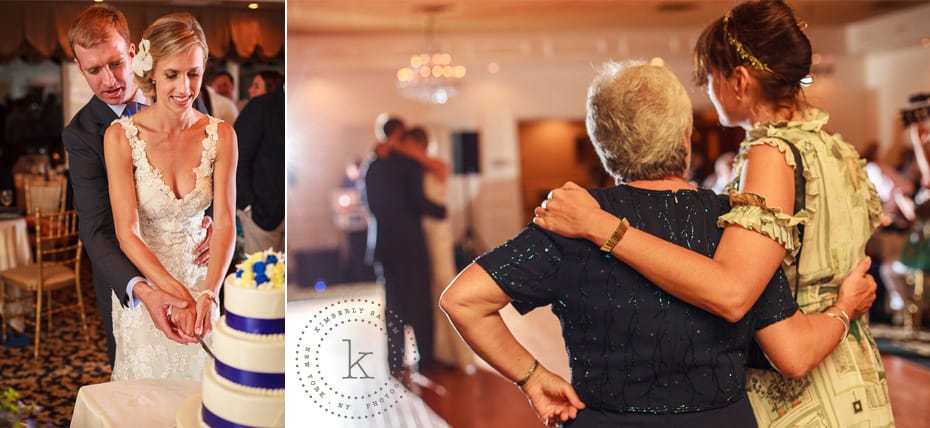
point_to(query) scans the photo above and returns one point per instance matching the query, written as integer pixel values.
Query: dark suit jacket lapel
(102, 114)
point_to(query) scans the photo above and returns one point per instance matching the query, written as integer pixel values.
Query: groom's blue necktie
(132, 108)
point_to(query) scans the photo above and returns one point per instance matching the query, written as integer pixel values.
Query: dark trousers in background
(407, 299)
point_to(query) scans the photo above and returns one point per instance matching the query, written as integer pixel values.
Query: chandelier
(430, 77)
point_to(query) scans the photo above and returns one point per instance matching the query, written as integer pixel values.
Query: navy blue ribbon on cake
(255, 325)
(212, 420)
(247, 378)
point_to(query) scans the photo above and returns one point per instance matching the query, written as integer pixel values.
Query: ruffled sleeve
(750, 212)
(841, 205)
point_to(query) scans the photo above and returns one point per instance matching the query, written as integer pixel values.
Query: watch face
(341, 361)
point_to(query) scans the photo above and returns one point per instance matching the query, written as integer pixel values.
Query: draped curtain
(39, 30)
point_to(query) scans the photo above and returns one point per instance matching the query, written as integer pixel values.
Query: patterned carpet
(66, 361)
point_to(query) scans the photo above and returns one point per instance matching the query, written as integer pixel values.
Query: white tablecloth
(14, 243)
(149, 403)
(14, 251)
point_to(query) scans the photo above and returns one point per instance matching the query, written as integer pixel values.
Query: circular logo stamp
(343, 360)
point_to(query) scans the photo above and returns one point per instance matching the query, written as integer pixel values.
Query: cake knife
(205, 347)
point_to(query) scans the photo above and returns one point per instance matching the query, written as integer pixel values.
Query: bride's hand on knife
(205, 305)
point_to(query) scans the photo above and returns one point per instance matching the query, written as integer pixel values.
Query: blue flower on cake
(266, 269)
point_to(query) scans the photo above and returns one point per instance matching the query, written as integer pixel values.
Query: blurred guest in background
(223, 84)
(259, 180)
(392, 189)
(895, 191)
(723, 173)
(218, 104)
(449, 348)
(916, 252)
(264, 82)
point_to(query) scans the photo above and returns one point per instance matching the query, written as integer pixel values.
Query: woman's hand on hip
(554, 399)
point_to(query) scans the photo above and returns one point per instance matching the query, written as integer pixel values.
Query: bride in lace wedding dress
(165, 166)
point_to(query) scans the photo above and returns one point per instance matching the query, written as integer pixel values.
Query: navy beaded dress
(638, 355)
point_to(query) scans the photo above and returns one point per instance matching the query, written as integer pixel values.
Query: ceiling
(225, 4)
(372, 17)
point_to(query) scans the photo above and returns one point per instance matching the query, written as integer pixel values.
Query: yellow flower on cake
(277, 275)
(247, 276)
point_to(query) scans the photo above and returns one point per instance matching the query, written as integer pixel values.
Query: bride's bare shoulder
(225, 131)
(116, 132)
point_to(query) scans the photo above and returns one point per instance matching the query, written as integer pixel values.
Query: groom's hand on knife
(183, 320)
(157, 302)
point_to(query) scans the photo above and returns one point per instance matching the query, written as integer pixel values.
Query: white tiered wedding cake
(244, 386)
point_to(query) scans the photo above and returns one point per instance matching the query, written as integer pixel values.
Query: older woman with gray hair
(639, 356)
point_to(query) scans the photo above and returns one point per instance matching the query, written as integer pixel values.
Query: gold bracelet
(616, 236)
(843, 319)
(526, 378)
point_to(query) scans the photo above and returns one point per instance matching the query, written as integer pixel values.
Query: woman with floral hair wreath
(166, 164)
(754, 61)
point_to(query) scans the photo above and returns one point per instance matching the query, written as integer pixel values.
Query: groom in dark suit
(393, 191)
(99, 38)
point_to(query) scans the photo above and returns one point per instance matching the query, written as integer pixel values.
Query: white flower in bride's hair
(142, 62)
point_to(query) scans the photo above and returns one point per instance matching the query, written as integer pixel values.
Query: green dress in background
(842, 210)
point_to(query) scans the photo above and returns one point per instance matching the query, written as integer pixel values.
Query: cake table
(148, 403)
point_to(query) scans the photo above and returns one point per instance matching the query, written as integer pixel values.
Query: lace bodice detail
(171, 225)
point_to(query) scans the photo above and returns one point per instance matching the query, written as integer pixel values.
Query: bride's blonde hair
(169, 35)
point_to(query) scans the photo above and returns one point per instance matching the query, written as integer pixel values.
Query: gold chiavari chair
(57, 266)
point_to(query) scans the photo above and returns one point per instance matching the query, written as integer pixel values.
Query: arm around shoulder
(738, 282)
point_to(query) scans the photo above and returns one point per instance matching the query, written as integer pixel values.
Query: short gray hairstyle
(637, 115)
